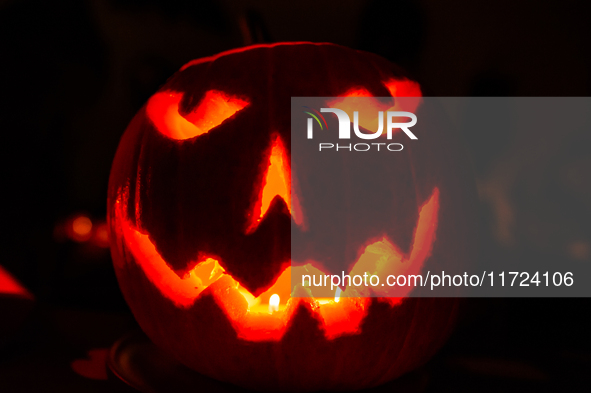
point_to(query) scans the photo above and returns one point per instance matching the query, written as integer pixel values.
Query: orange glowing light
(214, 108)
(403, 88)
(81, 229)
(383, 258)
(277, 183)
(266, 317)
(277, 179)
(357, 92)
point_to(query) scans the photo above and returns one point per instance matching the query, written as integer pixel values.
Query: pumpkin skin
(178, 199)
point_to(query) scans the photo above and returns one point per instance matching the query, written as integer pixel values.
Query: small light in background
(80, 229)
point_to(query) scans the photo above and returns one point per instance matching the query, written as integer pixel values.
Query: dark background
(73, 73)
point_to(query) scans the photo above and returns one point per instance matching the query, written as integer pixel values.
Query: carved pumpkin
(200, 215)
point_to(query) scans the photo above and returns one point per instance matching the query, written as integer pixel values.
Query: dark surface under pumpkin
(185, 195)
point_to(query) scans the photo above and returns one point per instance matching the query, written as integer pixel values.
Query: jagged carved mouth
(267, 316)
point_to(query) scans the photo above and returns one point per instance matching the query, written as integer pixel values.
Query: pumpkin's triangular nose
(277, 178)
(277, 183)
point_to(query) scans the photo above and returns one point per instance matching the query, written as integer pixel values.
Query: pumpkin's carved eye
(354, 100)
(214, 108)
(403, 88)
(396, 87)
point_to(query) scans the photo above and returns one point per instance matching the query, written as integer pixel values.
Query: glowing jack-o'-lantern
(200, 213)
